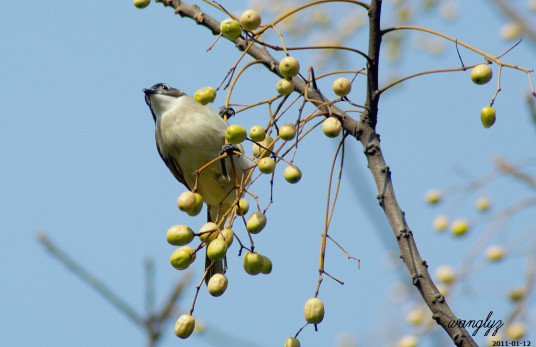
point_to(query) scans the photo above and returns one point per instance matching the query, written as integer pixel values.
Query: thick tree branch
(386, 195)
(363, 131)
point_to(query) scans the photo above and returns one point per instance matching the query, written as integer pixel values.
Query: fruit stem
(482, 53)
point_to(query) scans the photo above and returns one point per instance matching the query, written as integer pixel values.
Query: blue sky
(80, 163)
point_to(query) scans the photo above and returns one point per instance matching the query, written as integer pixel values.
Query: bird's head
(161, 98)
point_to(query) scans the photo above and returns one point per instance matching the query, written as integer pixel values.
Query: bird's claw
(229, 148)
(227, 111)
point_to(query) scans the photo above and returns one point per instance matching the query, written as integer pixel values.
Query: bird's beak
(148, 93)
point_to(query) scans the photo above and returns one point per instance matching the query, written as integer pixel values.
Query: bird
(188, 136)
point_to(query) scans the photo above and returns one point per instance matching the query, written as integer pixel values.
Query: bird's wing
(171, 163)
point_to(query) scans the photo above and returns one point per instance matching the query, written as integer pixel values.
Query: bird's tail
(217, 268)
(212, 213)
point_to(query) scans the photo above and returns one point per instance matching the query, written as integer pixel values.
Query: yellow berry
(407, 341)
(459, 227)
(253, 262)
(142, 3)
(483, 203)
(208, 232)
(285, 86)
(292, 342)
(415, 316)
(205, 95)
(257, 133)
(331, 127)
(487, 116)
(250, 19)
(266, 265)
(289, 67)
(184, 326)
(256, 222)
(494, 253)
(186, 201)
(445, 274)
(243, 206)
(266, 165)
(287, 131)
(182, 258)
(433, 196)
(292, 174)
(230, 28)
(314, 311)
(517, 294)
(216, 249)
(515, 331)
(217, 284)
(481, 74)
(440, 222)
(179, 235)
(227, 235)
(194, 211)
(342, 86)
(265, 148)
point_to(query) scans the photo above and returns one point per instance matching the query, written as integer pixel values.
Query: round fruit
(494, 253)
(517, 294)
(510, 31)
(227, 235)
(235, 134)
(250, 20)
(287, 131)
(230, 28)
(185, 326)
(433, 196)
(342, 86)
(515, 331)
(494, 340)
(179, 235)
(407, 341)
(289, 67)
(216, 249)
(483, 203)
(265, 148)
(266, 165)
(459, 227)
(256, 222)
(443, 289)
(285, 86)
(243, 206)
(331, 127)
(186, 201)
(292, 174)
(142, 3)
(182, 258)
(198, 206)
(208, 232)
(253, 263)
(292, 342)
(415, 316)
(481, 74)
(257, 133)
(440, 222)
(445, 274)
(314, 311)
(217, 284)
(487, 116)
(266, 265)
(205, 95)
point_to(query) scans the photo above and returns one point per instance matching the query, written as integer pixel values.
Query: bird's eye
(165, 86)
